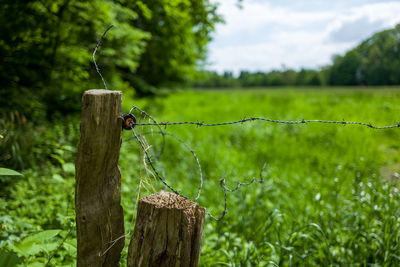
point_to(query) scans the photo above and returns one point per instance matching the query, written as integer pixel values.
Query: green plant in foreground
(37, 249)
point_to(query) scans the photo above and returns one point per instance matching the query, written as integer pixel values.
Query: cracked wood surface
(168, 232)
(99, 214)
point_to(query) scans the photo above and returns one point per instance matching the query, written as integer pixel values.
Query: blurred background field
(329, 196)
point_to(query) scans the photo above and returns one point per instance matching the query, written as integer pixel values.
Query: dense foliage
(180, 31)
(46, 48)
(376, 61)
(330, 193)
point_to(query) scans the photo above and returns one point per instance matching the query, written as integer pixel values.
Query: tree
(345, 69)
(376, 61)
(180, 31)
(381, 58)
(47, 46)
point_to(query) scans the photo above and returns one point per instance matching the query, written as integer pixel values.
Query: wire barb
(142, 112)
(94, 53)
(267, 120)
(223, 185)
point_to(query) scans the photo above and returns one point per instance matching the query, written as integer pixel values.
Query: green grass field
(330, 192)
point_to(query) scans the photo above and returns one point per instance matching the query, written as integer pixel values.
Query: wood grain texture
(99, 214)
(168, 232)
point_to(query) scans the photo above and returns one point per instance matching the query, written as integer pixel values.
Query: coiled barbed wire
(163, 180)
(191, 151)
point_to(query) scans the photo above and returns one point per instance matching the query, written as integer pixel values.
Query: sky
(276, 34)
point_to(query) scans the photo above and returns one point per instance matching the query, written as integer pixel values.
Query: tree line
(376, 61)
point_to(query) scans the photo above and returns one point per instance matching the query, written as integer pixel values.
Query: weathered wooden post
(99, 214)
(168, 232)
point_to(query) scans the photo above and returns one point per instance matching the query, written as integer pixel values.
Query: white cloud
(255, 15)
(355, 30)
(265, 36)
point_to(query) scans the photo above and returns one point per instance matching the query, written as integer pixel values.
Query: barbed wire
(94, 53)
(260, 180)
(198, 124)
(191, 151)
(244, 120)
(223, 185)
(163, 180)
(155, 123)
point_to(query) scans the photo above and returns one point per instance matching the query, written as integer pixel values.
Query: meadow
(329, 196)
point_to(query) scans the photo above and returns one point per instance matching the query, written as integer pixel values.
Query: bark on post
(168, 232)
(99, 214)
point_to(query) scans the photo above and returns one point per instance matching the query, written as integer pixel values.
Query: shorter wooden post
(168, 232)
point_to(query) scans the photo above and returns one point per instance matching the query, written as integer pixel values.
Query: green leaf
(41, 236)
(9, 258)
(70, 246)
(27, 248)
(9, 172)
(31, 244)
(37, 264)
(48, 247)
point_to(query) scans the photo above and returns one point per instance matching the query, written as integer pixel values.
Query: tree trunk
(99, 214)
(168, 232)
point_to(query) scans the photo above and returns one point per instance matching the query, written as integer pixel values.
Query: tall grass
(330, 196)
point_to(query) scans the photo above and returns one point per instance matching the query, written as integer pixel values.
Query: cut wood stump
(99, 214)
(168, 232)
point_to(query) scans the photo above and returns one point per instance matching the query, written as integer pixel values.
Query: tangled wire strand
(191, 151)
(163, 180)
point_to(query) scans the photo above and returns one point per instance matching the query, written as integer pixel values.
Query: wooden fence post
(99, 214)
(168, 232)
